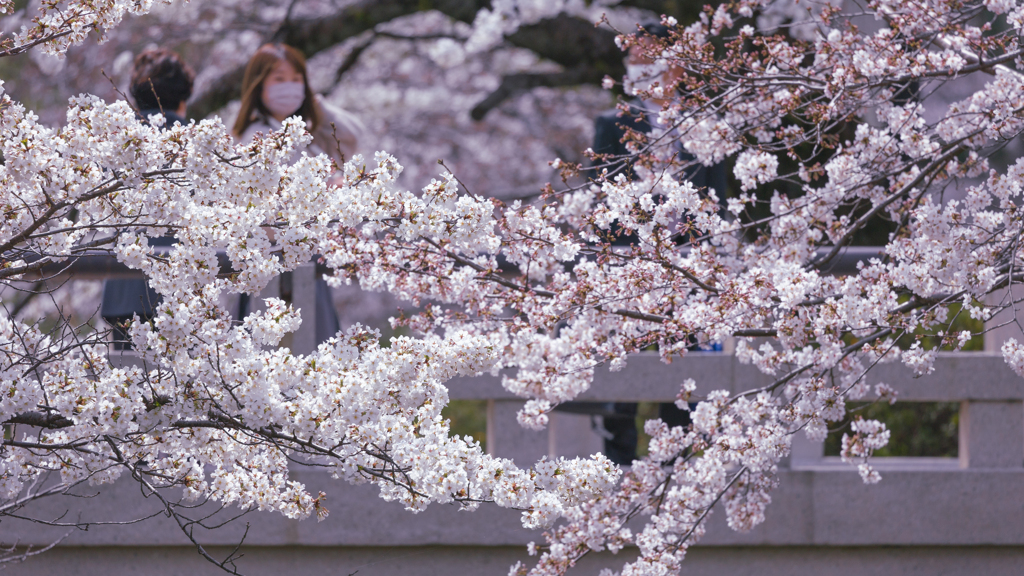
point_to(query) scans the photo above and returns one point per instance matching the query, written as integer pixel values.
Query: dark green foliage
(918, 428)
(956, 321)
(468, 418)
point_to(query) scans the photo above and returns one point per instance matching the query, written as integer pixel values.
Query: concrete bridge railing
(961, 515)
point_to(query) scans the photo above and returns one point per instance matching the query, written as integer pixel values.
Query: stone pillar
(507, 439)
(991, 434)
(297, 288)
(804, 452)
(303, 298)
(271, 290)
(1003, 326)
(573, 435)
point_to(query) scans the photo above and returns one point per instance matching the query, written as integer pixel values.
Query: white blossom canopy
(831, 129)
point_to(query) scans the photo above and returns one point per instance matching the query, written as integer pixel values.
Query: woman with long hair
(276, 87)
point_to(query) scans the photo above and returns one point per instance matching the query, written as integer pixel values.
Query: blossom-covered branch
(833, 135)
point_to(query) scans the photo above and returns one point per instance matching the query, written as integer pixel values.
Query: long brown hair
(259, 67)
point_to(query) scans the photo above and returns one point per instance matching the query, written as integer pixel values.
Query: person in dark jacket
(610, 133)
(161, 84)
(610, 128)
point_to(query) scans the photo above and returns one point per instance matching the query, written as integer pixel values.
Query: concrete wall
(927, 516)
(469, 561)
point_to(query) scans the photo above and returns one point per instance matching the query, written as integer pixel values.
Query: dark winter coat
(609, 130)
(123, 298)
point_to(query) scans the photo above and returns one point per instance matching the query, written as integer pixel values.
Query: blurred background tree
(431, 79)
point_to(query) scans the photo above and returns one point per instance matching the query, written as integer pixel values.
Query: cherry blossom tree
(838, 122)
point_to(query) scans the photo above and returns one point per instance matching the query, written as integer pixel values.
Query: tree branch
(50, 420)
(587, 52)
(516, 84)
(315, 35)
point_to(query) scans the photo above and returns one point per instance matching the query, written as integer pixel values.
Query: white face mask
(642, 77)
(284, 98)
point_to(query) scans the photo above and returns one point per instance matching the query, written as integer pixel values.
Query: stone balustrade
(960, 515)
(927, 516)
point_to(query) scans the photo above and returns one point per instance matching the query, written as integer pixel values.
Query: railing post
(507, 439)
(804, 452)
(573, 435)
(1003, 326)
(304, 299)
(991, 434)
(271, 290)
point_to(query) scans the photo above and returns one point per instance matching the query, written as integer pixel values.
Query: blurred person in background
(160, 84)
(642, 116)
(610, 129)
(276, 87)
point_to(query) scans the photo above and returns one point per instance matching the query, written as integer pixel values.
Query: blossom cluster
(61, 24)
(214, 408)
(833, 135)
